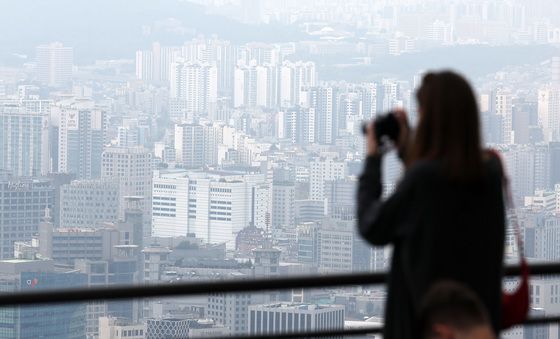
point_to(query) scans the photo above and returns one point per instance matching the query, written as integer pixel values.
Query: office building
(65, 245)
(87, 203)
(214, 205)
(23, 205)
(205, 328)
(156, 259)
(132, 167)
(81, 137)
(280, 318)
(121, 269)
(66, 321)
(283, 204)
(24, 141)
(309, 210)
(335, 246)
(54, 64)
(118, 328)
(340, 195)
(230, 311)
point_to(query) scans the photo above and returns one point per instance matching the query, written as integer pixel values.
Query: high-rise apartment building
(324, 101)
(189, 145)
(54, 64)
(323, 170)
(192, 89)
(504, 109)
(549, 112)
(153, 65)
(24, 141)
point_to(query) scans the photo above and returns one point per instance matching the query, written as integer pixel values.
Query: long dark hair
(448, 127)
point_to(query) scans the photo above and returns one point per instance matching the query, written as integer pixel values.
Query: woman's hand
(372, 148)
(404, 132)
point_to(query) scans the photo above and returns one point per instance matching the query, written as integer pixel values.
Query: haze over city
(158, 142)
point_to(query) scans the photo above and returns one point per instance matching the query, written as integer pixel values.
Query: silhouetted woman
(446, 218)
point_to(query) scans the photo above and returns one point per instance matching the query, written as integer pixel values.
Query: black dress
(439, 230)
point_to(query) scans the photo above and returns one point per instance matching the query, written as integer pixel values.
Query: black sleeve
(378, 221)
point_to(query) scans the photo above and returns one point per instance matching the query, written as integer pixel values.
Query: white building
(542, 200)
(132, 167)
(189, 145)
(115, 328)
(549, 112)
(504, 109)
(322, 170)
(193, 89)
(294, 317)
(213, 205)
(54, 64)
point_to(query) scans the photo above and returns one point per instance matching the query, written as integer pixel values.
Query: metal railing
(58, 296)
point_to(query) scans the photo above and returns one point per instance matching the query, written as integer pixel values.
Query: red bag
(515, 305)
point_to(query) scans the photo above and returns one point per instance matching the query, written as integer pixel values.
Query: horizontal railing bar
(311, 334)
(363, 331)
(542, 320)
(209, 287)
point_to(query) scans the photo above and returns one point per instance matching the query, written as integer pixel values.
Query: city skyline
(177, 141)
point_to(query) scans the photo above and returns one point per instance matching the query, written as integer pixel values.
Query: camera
(385, 126)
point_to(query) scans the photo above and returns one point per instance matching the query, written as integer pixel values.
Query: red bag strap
(510, 206)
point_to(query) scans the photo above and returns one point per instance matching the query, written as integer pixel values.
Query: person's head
(452, 311)
(448, 126)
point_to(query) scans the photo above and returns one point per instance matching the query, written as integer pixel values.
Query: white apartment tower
(189, 145)
(504, 109)
(324, 170)
(54, 64)
(192, 88)
(549, 112)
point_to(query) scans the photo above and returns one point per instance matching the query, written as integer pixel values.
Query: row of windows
(170, 215)
(220, 202)
(156, 197)
(220, 219)
(157, 203)
(171, 187)
(221, 190)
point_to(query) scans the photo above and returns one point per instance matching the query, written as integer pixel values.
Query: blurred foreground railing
(57, 296)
